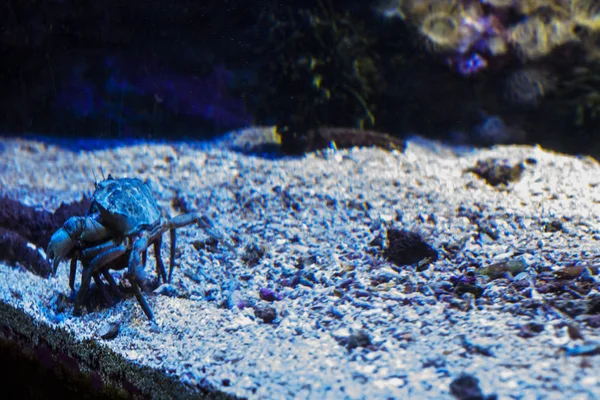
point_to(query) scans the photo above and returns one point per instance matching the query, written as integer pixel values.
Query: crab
(123, 221)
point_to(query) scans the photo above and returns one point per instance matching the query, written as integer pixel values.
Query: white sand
(417, 340)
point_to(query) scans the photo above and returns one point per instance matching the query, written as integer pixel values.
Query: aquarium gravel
(306, 304)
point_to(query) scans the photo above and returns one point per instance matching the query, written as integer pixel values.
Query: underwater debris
(574, 331)
(586, 309)
(406, 248)
(295, 280)
(497, 172)
(339, 138)
(474, 348)
(499, 270)
(288, 200)
(210, 244)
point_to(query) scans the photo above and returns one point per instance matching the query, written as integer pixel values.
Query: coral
(470, 36)
(500, 3)
(442, 29)
(462, 33)
(535, 38)
(586, 13)
(534, 63)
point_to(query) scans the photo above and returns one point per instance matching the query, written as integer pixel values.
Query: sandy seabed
(317, 219)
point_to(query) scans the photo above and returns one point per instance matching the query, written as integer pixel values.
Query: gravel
(305, 304)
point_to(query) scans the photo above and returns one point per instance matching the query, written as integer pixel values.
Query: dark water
(188, 69)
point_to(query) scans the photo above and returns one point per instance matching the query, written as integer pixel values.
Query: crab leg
(111, 283)
(136, 273)
(92, 252)
(160, 267)
(89, 270)
(102, 288)
(195, 218)
(72, 273)
(173, 233)
(96, 277)
(188, 219)
(140, 298)
(86, 256)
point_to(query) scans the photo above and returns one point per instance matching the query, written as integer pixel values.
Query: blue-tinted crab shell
(125, 205)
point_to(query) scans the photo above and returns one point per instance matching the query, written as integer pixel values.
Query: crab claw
(60, 245)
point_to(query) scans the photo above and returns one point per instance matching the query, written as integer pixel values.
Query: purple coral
(470, 65)
(475, 35)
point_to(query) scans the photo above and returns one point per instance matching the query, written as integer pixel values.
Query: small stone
(552, 226)
(109, 330)
(406, 248)
(497, 172)
(253, 253)
(466, 387)
(530, 330)
(352, 339)
(167, 289)
(59, 302)
(267, 314)
(268, 295)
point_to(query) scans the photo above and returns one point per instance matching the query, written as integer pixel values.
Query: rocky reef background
(480, 72)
